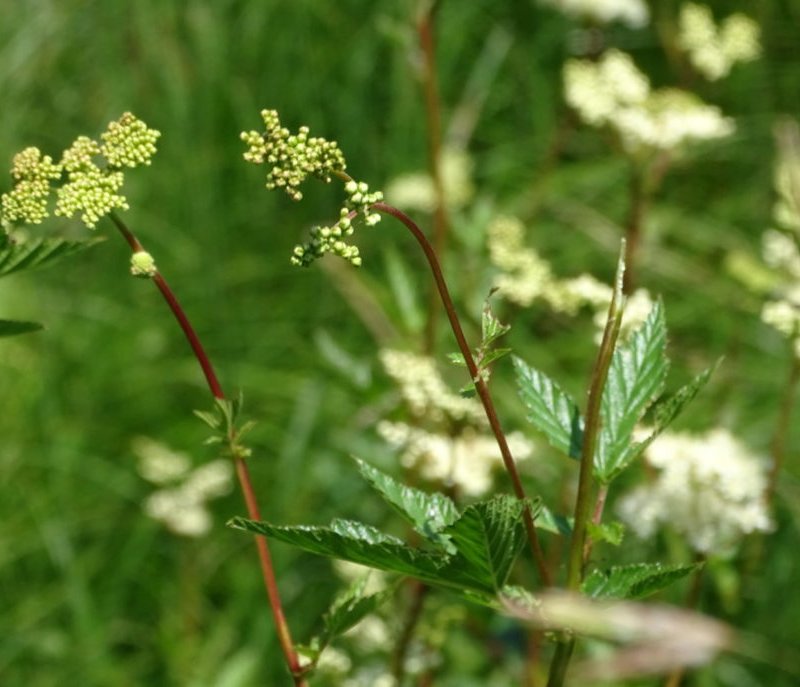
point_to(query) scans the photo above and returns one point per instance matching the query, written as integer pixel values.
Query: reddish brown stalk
(480, 384)
(243, 474)
(433, 116)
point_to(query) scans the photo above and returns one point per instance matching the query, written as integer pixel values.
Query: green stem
(242, 472)
(480, 384)
(583, 502)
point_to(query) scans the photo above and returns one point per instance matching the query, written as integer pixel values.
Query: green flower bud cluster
(143, 264)
(92, 188)
(291, 158)
(27, 201)
(332, 239)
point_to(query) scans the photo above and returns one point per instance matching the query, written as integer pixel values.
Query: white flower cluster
(709, 489)
(467, 460)
(779, 247)
(634, 13)
(612, 92)
(424, 390)
(180, 503)
(415, 191)
(526, 278)
(712, 49)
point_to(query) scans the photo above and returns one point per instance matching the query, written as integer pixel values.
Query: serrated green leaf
(358, 543)
(28, 255)
(610, 532)
(551, 410)
(429, 514)
(634, 581)
(16, 327)
(635, 379)
(664, 414)
(488, 538)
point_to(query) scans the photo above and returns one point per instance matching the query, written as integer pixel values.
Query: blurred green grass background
(94, 593)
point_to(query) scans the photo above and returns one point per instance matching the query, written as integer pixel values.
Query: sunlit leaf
(428, 513)
(635, 379)
(550, 410)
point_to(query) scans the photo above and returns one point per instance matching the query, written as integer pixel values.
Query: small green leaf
(457, 359)
(491, 328)
(15, 257)
(493, 355)
(634, 581)
(488, 537)
(16, 327)
(428, 513)
(635, 379)
(610, 532)
(551, 522)
(551, 411)
(403, 284)
(348, 609)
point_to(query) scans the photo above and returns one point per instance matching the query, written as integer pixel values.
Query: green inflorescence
(94, 175)
(291, 159)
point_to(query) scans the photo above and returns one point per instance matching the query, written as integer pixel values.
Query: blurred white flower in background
(415, 191)
(525, 277)
(180, 503)
(455, 447)
(612, 92)
(467, 460)
(712, 49)
(634, 13)
(709, 488)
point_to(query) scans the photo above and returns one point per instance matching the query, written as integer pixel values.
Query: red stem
(242, 472)
(480, 384)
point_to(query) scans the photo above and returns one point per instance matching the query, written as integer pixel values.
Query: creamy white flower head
(780, 252)
(467, 460)
(525, 276)
(158, 463)
(597, 90)
(613, 92)
(634, 13)
(181, 506)
(179, 512)
(709, 488)
(424, 389)
(415, 191)
(714, 50)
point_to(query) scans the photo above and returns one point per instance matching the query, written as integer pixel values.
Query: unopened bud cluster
(93, 171)
(291, 159)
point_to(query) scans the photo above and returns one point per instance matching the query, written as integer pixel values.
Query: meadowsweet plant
(472, 550)
(87, 182)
